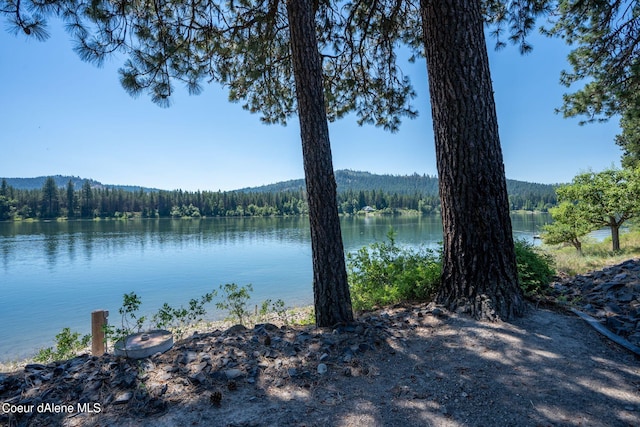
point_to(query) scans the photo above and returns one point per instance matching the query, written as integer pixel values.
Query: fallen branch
(606, 332)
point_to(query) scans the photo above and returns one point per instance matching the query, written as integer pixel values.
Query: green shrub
(384, 273)
(129, 319)
(68, 345)
(235, 301)
(535, 268)
(179, 319)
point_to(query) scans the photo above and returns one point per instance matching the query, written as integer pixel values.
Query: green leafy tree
(569, 225)
(605, 199)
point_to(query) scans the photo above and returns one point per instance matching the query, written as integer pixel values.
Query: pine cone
(216, 398)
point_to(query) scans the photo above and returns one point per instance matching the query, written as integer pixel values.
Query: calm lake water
(53, 274)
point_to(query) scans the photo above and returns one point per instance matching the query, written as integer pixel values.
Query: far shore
(362, 213)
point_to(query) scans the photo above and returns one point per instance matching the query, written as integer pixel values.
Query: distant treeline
(51, 201)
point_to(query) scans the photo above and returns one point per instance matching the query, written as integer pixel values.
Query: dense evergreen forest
(356, 190)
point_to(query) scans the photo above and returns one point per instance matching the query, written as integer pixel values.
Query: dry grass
(595, 255)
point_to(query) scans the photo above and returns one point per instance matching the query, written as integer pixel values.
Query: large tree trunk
(330, 287)
(479, 267)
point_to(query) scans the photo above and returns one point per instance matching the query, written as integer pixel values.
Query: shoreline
(409, 362)
(296, 316)
(136, 216)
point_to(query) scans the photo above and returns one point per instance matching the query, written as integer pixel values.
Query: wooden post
(98, 322)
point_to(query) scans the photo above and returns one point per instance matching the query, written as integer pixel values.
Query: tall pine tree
(246, 46)
(281, 58)
(605, 36)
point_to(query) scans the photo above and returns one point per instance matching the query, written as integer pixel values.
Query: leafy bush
(535, 268)
(68, 345)
(235, 300)
(278, 307)
(178, 319)
(384, 273)
(128, 312)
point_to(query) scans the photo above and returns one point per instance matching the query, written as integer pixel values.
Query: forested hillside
(62, 181)
(72, 197)
(348, 180)
(522, 195)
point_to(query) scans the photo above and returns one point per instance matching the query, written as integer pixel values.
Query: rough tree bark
(479, 266)
(330, 287)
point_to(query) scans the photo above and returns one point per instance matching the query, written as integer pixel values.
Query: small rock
(123, 398)
(235, 329)
(232, 374)
(34, 367)
(612, 308)
(322, 369)
(437, 312)
(620, 277)
(363, 347)
(158, 390)
(303, 337)
(625, 296)
(198, 378)
(611, 285)
(188, 357)
(266, 327)
(129, 379)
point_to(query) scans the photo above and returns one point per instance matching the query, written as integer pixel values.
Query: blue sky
(59, 115)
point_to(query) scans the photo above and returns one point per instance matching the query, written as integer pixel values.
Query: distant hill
(348, 180)
(356, 190)
(62, 180)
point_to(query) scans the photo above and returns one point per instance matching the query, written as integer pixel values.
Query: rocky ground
(611, 295)
(407, 365)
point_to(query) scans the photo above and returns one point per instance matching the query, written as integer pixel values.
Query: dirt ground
(418, 367)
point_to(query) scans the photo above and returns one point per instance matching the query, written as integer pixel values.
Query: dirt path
(406, 366)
